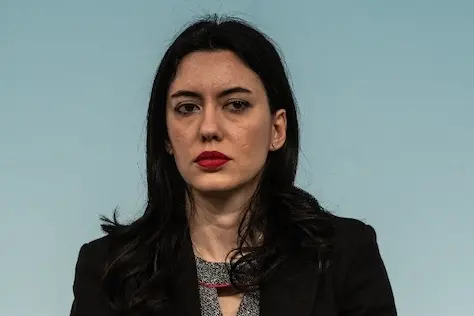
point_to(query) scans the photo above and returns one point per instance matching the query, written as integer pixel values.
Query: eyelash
(182, 106)
(244, 105)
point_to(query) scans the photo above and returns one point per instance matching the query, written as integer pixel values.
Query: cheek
(254, 141)
(179, 139)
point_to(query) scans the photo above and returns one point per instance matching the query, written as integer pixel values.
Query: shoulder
(89, 297)
(345, 226)
(352, 239)
(97, 248)
(94, 254)
(357, 270)
(349, 233)
(92, 260)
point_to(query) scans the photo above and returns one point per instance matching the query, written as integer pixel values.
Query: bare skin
(216, 103)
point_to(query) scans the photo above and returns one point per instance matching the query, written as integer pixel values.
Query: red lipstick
(211, 159)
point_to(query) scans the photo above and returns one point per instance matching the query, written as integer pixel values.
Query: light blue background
(387, 103)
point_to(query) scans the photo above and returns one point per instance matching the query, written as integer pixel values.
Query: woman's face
(219, 122)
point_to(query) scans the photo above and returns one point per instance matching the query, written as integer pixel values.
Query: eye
(186, 108)
(237, 106)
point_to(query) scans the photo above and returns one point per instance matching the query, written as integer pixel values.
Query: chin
(215, 183)
(221, 183)
(214, 186)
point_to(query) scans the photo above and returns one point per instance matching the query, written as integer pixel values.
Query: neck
(214, 222)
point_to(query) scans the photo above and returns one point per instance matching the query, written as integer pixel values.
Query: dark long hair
(139, 276)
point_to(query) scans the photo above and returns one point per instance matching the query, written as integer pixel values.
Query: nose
(210, 125)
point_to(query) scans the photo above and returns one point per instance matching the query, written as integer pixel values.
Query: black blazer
(355, 284)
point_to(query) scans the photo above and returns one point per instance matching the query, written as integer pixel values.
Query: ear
(168, 148)
(278, 136)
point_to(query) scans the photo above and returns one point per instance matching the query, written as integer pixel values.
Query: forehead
(214, 70)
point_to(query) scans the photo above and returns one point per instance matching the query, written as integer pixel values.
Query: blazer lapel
(291, 290)
(186, 300)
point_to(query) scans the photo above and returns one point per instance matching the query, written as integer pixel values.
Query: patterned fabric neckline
(211, 276)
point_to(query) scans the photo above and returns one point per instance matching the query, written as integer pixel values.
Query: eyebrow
(193, 94)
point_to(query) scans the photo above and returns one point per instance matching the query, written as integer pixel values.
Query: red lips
(211, 159)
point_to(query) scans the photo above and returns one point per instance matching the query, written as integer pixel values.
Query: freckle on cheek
(179, 138)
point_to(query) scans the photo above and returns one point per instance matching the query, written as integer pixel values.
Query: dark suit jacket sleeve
(89, 299)
(367, 290)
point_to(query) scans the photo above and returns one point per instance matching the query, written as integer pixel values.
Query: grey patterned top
(211, 276)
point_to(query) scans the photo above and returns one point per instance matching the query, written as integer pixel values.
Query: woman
(225, 230)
